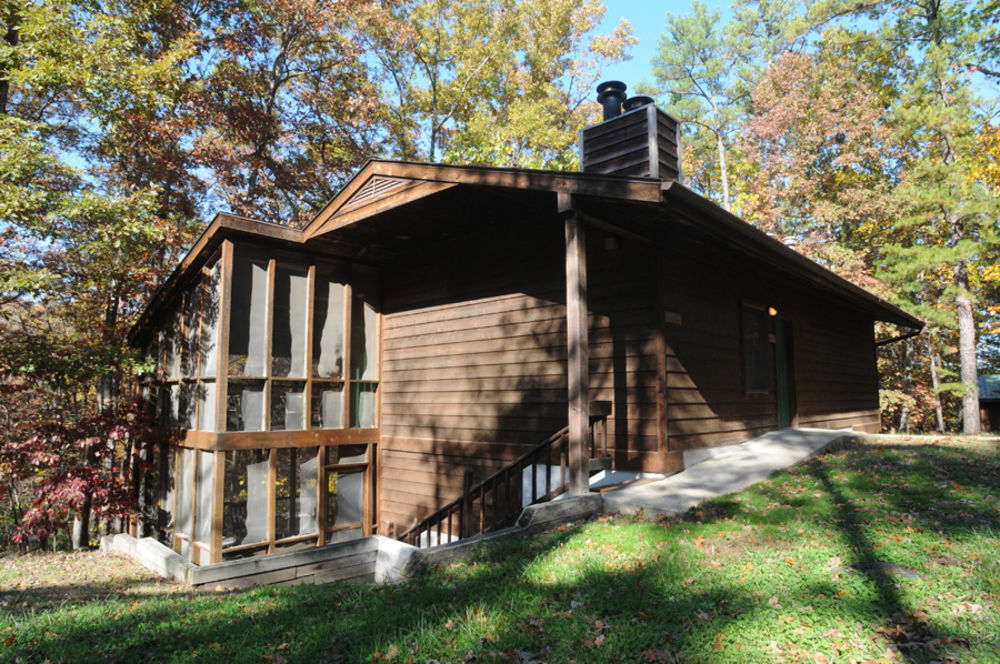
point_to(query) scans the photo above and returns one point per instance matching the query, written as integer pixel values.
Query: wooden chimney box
(643, 142)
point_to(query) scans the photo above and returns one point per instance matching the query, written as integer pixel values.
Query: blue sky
(648, 20)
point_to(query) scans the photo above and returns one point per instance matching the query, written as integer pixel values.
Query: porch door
(783, 371)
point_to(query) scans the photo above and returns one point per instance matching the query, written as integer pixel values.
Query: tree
(497, 82)
(288, 108)
(704, 72)
(82, 245)
(693, 70)
(822, 153)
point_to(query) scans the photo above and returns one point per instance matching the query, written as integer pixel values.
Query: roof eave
(730, 224)
(223, 226)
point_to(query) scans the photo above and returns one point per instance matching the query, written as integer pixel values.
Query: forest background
(864, 134)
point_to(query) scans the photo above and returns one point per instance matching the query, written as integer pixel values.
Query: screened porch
(266, 392)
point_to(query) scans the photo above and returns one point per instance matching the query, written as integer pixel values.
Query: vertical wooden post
(310, 315)
(222, 350)
(218, 489)
(577, 348)
(346, 363)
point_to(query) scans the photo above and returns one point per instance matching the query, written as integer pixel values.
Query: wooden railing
(496, 501)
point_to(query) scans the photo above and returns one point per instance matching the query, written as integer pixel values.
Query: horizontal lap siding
(707, 404)
(834, 379)
(473, 371)
(622, 296)
(474, 361)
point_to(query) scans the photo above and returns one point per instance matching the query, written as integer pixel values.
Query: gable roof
(381, 185)
(388, 205)
(989, 387)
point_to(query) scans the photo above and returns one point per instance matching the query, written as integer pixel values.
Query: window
(755, 349)
(296, 492)
(244, 505)
(364, 346)
(276, 499)
(188, 357)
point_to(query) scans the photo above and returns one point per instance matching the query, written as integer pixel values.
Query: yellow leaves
(987, 166)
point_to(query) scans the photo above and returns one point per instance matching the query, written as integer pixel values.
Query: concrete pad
(724, 471)
(150, 554)
(391, 559)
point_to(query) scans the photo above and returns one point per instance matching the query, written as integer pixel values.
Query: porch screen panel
(288, 406)
(344, 503)
(364, 326)
(185, 487)
(327, 407)
(245, 405)
(291, 300)
(209, 347)
(186, 413)
(297, 472)
(364, 346)
(192, 331)
(244, 506)
(363, 406)
(165, 516)
(248, 321)
(328, 327)
(206, 406)
(203, 521)
(172, 344)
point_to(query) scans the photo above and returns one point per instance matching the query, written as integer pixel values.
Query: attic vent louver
(643, 141)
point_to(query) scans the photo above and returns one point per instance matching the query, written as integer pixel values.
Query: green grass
(763, 575)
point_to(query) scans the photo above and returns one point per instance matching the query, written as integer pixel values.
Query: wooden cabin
(435, 323)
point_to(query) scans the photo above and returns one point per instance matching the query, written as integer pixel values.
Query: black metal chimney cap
(637, 101)
(611, 94)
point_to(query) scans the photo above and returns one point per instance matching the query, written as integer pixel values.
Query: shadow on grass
(488, 609)
(904, 628)
(510, 602)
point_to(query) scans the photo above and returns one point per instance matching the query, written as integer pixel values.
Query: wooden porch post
(577, 348)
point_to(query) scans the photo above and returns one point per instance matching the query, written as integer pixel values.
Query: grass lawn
(886, 551)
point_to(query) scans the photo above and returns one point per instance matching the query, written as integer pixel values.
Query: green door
(783, 367)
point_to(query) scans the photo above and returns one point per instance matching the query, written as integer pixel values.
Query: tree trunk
(724, 174)
(934, 383)
(967, 360)
(966, 335)
(12, 38)
(904, 411)
(81, 524)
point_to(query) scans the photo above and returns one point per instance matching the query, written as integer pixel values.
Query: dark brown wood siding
(474, 356)
(834, 381)
(474, 362)
(474, 359)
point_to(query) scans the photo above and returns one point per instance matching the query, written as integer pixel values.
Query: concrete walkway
(718, 471)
